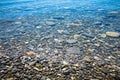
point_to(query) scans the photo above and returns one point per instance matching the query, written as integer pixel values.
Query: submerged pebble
(70, 41)
(30, 53)
(76, 36)
(113, 12)
(75, 24)
(50, 23)
(113, 34)
(73, 50)
(88, 35)
(60, 31)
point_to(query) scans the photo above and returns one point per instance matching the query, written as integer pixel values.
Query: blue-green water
(18, 8)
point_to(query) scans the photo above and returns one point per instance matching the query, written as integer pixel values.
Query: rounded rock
(113, 34)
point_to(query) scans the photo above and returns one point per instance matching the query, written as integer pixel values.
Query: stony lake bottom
(60, 40)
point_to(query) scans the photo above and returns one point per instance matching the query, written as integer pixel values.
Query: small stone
(59, 40)
(65, 63)
(9, 79)
(18, 22)
(70, 41)
(87, 58)
(113, 12)
(76, 65)
(72, 78)
(116, 67)
(98, 23)
(97, 58)
(0, 46)
(87, 35)
(74, 50)
(76, 36)
(50, 23)
(60, 31)
(91, 50)
(75, 24)
(103, 35)
(37, 69)
(46, 37)
(39, 26)
(113, 34)
(48, 79)
(94, 79)
(30, 53)
(26, 42)
(100, 69)
(97, 44)
(47, 51)
(43, 78)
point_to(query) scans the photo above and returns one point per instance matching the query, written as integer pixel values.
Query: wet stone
(70, 41)
(65, 63)
(30, 53)
(76, 36)
(88, 35)
(87, 58)
(58, 18)
(43, 78)
(60, 31)
(113, 12)
(75, 24)
(10, 78)
(50, 23)
(98, 23)
(113, 34)
(73, 50)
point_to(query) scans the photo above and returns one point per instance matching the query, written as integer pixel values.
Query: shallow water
(61, 29)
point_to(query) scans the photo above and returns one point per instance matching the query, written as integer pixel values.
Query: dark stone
(58, 18)
(98, 23)
(88, 35)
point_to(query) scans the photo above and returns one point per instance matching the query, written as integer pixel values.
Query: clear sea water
(23, 22)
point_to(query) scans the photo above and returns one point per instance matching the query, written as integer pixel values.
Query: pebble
(73, 50)
(9, 79)
(98, 23)
(73, 78)
(75, 24)
(97, 44)
(18, 22)
(94, 79)
(48, 79)
(59, 40)
(50, 23)
(97, 58)
(60, 31)
(58, 18)
(70, 41)
(87, 35)
(113, 34)
(65, 63)
(76, 36)
(46, 37)
(113, 12)
(43, 78)
(76, 65)
(91, 50)
(87, 58)
(103, 35)
(38, 27)
(30, 53)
